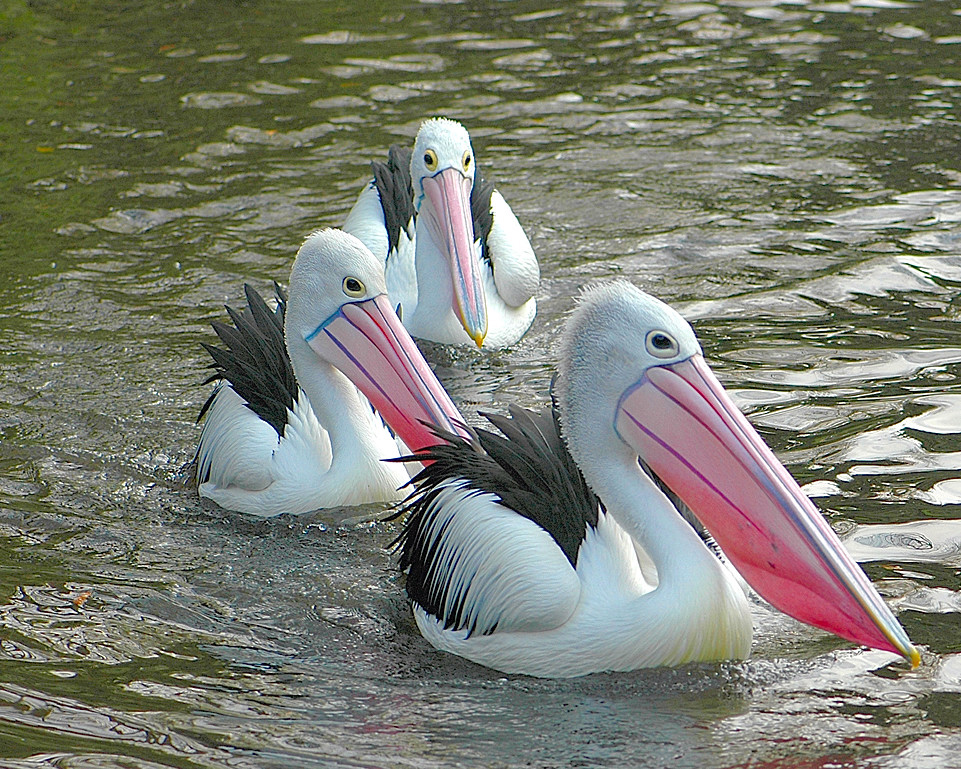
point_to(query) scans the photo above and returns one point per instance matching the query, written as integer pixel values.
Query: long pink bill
(448, 216)
(688, 430)
(368, 343)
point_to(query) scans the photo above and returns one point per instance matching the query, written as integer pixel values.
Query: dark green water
(787, 174)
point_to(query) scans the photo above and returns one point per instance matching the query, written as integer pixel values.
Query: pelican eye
(466, 161)
(354, 287)
(430, 160)
(660, 344)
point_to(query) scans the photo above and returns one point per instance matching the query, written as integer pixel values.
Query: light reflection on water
(785, 174)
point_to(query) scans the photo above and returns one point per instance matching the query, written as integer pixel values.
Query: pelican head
(641, 361)
(338, 311)
(442, 174)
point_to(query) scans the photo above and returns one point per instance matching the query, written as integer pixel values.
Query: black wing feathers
(480, 209)
(255, 361)
(392, 180)
(528, 468)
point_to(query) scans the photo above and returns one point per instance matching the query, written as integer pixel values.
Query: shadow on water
(784, 173)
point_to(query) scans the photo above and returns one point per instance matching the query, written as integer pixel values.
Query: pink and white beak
(448, 217)
(367, 342)
(686, 428)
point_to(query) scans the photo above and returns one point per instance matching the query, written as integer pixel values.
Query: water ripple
(785, 173)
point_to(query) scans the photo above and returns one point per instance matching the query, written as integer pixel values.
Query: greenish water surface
(785, 173)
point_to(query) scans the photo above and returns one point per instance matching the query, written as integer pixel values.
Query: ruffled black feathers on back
(393, 183)
(255, 361)
(527, 467)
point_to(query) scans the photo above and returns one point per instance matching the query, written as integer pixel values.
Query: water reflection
(786, 174)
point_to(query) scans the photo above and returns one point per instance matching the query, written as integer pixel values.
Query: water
(786, 174)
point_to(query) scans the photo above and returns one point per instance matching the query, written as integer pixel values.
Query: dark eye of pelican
(660, 344)
(354, 287)
(467, 160)
(430, 160)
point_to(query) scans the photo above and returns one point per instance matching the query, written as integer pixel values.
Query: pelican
(291, 427)
(554, 551)
(458, 263)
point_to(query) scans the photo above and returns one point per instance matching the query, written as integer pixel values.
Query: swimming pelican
(458, 262)
(290, 428)
(514, 563)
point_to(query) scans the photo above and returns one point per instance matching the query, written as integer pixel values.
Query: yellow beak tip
(914, 657)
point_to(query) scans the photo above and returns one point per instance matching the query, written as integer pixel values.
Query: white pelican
(514, 563)
(293, 434)
(458, 262)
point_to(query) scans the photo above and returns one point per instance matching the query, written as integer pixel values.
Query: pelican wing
(236, 446)
(248, 411)
(480, 210)
(516, 272)
(494, 528)
(476, 566)
(255, 361)
(385, 209)
(383, 220)
(366, 222)
(393, 184)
